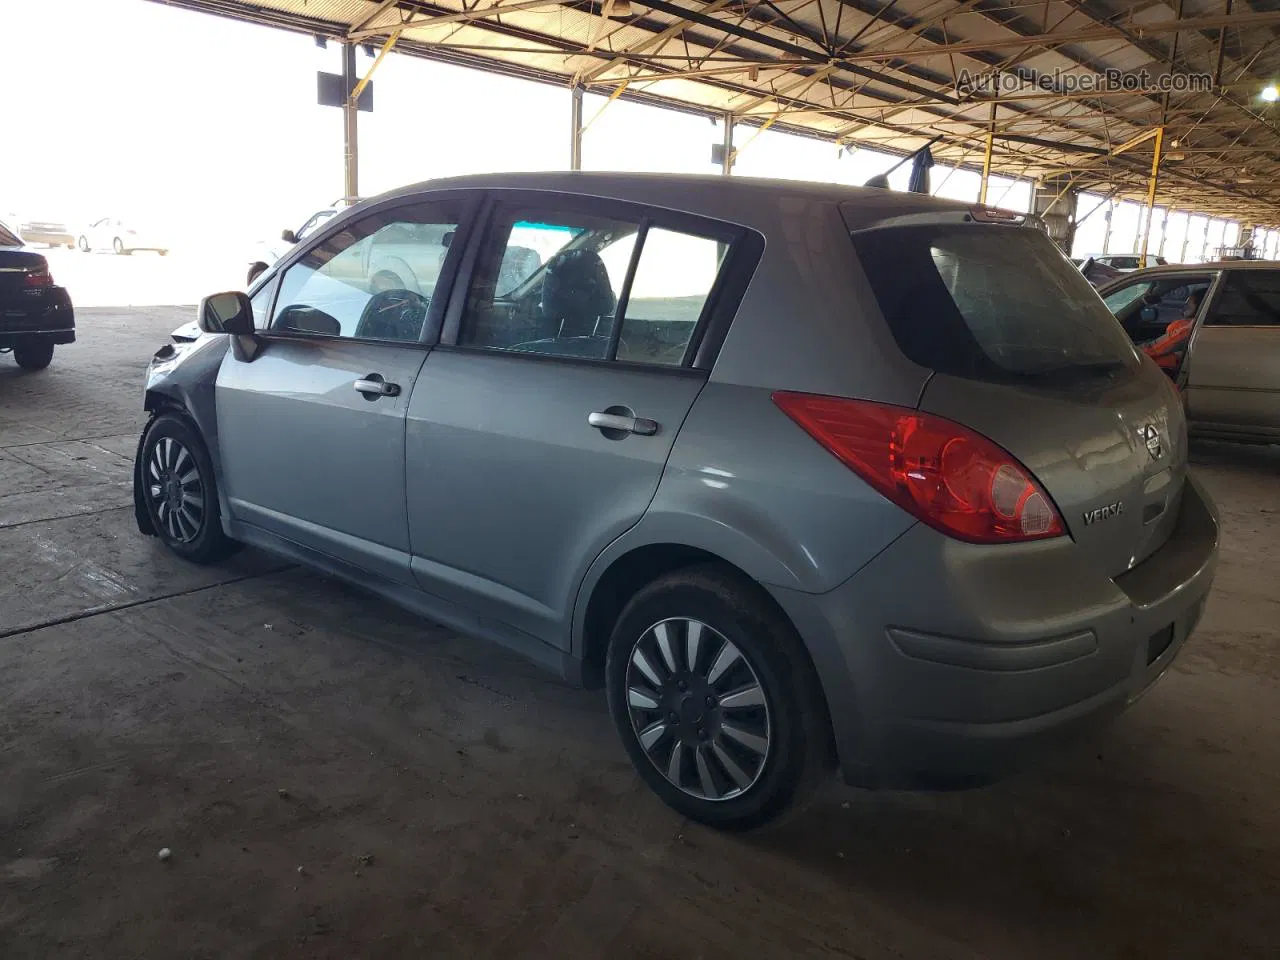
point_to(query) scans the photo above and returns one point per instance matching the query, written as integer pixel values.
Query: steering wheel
(394, 315)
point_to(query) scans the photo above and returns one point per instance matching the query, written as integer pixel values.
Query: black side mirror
(288, 236)
(229, 312)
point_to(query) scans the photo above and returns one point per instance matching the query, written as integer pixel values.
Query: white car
(1127, 262)
(267, 252)
(111, 233)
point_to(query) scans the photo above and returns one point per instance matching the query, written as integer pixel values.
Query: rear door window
(989, 302)
(568, 282)
(1250, 298)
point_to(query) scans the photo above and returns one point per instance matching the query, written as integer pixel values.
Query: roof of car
(709, 195)
(1212, 265)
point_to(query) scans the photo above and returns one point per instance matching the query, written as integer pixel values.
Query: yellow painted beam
(364, 81)
(1151, 194)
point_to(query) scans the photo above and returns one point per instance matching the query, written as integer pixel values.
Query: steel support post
(726, 161)
(350, 142)
(575, 128)
(986, 157)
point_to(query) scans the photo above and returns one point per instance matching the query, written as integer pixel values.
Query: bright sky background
(209, 128)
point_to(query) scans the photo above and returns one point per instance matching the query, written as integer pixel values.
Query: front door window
(373, 280)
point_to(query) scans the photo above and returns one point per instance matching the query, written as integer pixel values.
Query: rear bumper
(48, 318)
(947, 663)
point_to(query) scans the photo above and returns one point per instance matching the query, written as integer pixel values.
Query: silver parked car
(1230, 366)
(800, 473)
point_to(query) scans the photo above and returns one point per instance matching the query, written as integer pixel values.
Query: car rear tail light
(39, 277)
(946, 475)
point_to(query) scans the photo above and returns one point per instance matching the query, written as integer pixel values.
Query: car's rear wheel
(715, 699)
(117, 245)
(180, 491)
(33, 356)
(83, 244)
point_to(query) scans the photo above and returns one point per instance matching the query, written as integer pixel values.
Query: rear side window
(575, 284)
(989, 302)
(1250, 299)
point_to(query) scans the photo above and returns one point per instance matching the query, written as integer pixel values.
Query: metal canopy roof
(883, 74)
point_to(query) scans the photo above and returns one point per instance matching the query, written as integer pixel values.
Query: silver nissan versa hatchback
(801, 474)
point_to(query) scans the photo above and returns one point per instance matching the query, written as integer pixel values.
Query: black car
(35, 313)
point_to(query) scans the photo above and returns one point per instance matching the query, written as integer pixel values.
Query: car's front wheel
(33, 356)
(180, 491)
(715, 699)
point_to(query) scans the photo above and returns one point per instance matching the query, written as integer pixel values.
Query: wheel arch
(632, 570)
(194, 402)
(619, 574)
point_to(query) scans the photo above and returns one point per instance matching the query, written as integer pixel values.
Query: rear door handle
(373, 387)
(642, 426)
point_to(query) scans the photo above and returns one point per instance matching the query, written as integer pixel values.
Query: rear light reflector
(946, 475)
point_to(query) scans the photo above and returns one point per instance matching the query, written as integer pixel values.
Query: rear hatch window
(988, 302)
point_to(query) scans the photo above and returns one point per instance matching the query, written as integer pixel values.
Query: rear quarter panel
(747, 484)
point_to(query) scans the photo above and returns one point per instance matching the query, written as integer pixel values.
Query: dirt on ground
(333, 778)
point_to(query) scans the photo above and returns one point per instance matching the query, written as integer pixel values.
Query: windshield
(990, 303)
(8, 238)
(1117, 300)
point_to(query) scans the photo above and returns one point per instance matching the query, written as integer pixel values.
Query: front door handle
(616, 423)
(374, 386)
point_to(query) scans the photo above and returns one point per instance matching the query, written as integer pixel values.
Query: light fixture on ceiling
(321, 41)
(621, 10)
(1270, 93)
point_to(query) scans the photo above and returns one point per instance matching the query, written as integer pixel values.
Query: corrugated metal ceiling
(883, 74)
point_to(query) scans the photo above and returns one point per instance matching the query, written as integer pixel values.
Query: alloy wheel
(176, 492)
(698, 709)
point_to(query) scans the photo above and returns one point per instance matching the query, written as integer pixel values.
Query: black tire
(33, 356)
(83, 244)
(255, 271)
(161, 466)
(118, 246)
(792, 719)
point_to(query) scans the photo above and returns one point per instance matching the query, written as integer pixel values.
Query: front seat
(576, 294)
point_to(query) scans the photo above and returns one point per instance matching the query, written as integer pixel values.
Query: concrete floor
(336, 779)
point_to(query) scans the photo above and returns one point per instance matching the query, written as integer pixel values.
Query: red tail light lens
(40, 277)
(951, 478)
